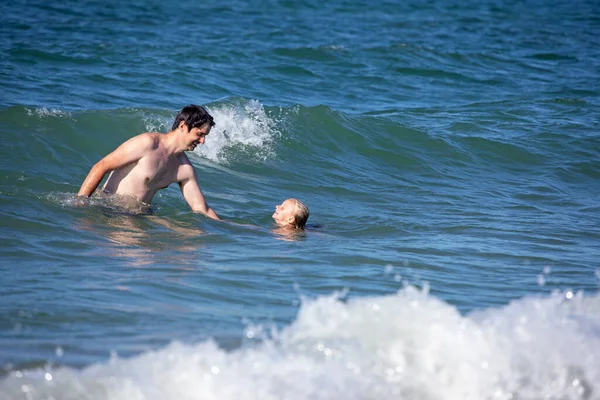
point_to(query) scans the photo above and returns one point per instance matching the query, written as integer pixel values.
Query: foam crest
(156, 123)
(405, 346)
(44, 112)
(243, 129)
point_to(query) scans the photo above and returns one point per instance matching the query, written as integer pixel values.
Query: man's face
(197, 135)
(284, 213)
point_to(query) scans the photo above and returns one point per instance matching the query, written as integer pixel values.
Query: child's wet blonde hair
(300, 214)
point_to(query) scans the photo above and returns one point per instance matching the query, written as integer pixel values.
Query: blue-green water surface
(449, 153)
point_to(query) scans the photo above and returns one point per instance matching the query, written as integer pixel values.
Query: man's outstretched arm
(130, 151)
(192, 193)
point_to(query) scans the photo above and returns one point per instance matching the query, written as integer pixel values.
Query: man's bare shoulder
(186, 169)
(147, 140)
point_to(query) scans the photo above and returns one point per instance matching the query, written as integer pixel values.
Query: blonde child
(292, 213)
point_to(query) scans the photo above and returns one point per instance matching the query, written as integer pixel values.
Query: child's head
(291, 213)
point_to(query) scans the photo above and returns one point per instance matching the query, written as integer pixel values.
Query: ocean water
(449, 153)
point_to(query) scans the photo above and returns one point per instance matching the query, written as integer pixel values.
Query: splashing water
(405, 346)
(243, 126)
(47, 112)
(114, 202)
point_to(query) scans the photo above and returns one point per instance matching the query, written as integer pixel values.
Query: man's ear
(182, 125)
(290, 219)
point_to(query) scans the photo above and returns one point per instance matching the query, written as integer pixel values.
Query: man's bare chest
(159, 172)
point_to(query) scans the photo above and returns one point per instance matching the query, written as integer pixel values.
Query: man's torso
(154, 171)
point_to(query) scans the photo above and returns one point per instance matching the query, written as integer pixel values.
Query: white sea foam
(243, 125)
(156, 123)
(47, 112)
(405, 346)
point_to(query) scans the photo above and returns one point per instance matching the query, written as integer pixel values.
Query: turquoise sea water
(448, 152)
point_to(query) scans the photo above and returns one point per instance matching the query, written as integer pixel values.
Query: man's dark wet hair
(194, 117)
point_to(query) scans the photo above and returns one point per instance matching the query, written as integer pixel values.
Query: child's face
(284, 213)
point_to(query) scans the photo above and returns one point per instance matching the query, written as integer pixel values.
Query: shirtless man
(151, 161)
